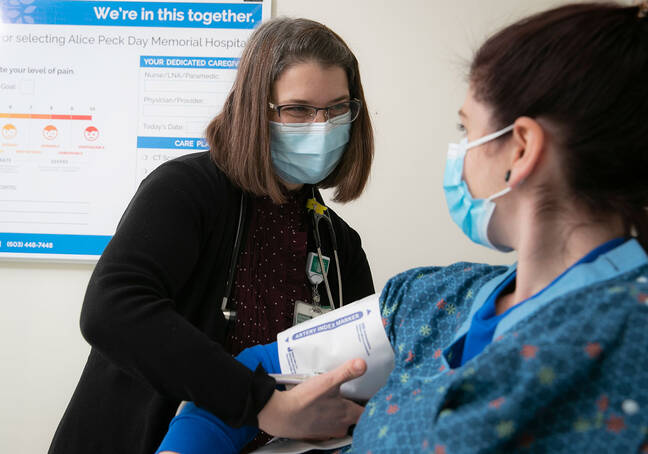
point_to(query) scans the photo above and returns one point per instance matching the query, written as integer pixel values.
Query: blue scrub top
(485, 321)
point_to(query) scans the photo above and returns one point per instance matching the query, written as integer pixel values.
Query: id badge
(305, 311)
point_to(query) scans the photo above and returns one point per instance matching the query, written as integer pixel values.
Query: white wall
(413, 56)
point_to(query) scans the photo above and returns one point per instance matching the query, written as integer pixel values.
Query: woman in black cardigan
(152, 310)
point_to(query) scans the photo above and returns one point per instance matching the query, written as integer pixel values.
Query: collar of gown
(611, 264)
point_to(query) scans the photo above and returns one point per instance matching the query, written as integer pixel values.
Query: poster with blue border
(94, 95)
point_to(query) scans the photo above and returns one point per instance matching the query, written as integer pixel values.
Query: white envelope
(287, 446)
(323, 343)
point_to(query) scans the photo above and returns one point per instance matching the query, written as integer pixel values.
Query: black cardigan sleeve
(129, 313)
(357, 277)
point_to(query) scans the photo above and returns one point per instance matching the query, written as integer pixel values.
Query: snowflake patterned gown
(566, 372)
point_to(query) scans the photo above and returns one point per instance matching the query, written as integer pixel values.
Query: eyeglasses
(299, 114)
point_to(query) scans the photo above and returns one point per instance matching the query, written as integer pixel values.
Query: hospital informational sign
(93, 96)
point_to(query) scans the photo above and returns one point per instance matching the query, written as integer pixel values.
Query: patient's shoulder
(425, 283)
(436, 298)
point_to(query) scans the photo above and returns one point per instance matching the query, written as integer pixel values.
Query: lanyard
(319, 213)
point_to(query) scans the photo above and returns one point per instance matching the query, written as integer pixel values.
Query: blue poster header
(173, 143)
(131, 14)
(148, 61)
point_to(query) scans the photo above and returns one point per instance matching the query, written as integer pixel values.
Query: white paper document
(287, 446)
(323, 343)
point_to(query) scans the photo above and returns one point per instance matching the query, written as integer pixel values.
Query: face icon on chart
(50, 132)
(91, 133)
(9, 131)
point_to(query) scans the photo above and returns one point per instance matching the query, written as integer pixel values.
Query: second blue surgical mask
(470, 214)
(308, 153)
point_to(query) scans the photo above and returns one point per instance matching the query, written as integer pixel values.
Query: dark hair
(583, 68)
(239, 137)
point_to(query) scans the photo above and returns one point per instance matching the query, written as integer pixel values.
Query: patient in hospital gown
(565, 373)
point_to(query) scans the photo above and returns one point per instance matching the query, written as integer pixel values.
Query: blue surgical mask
(307, 154)
(471, 215)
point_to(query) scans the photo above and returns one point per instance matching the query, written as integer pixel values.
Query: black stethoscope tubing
(228, 313)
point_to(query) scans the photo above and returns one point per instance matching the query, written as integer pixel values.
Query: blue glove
(266, 355)
(197, 431)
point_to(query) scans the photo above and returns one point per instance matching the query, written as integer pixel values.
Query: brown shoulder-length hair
(239, 137)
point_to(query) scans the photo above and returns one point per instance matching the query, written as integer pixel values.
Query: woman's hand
(314, 409)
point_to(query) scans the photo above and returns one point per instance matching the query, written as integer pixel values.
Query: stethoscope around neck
(318, 213)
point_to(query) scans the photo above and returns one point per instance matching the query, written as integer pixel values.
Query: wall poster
(93, 96)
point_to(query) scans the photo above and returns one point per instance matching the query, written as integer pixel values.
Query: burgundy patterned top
(271, 271)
